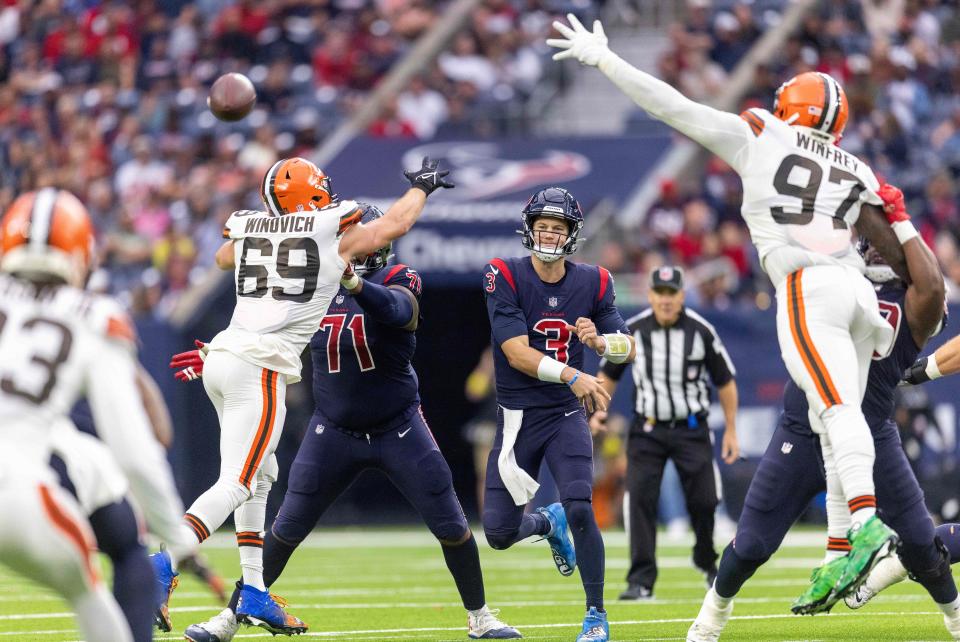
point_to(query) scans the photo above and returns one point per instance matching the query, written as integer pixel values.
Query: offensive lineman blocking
(288, 262)
(801, 194)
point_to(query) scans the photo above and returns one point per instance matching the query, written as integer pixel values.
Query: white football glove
(588, 48)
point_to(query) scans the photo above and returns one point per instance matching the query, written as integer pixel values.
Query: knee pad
(288, 531)
(579, 514)
(751, 548)
(500, 540)
(577, 490)
(923, 564)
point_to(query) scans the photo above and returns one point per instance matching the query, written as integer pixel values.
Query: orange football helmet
(814, 100)
(48, 233)
(295, 185)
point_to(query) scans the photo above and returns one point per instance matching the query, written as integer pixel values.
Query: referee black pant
(648, 449)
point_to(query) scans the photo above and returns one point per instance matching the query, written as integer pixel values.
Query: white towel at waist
(522, 487)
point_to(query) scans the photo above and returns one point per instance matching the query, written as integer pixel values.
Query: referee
(676, 350)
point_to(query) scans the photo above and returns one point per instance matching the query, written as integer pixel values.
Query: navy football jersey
(362, 375)
(519, 303)
(884, 373)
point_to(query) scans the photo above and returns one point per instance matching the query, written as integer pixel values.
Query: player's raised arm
(360, 240)
(723, 133)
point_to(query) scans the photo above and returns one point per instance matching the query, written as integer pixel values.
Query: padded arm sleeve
(723, 133)
(389, 306)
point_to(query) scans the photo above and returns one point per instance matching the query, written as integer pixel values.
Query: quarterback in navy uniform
(367, 415)
(786, 479)
(543, 311)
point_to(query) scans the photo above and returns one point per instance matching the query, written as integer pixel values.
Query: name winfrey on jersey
(884, 375)
(362, 373)
(288, 268)
(519, 303)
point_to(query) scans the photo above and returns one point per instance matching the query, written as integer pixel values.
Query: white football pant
(250, 402)
(48, 540)
(829, 326)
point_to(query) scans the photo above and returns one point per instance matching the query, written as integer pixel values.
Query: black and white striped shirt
(672, 365)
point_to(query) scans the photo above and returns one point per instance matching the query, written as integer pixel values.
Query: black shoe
(637, 592)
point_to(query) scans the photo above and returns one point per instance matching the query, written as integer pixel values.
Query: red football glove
(191, 362)
(893, 205)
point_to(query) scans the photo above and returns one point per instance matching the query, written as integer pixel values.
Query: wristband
(350, 283)
(550, 370)
(932, 370)
(575, 375)
(904, 231)
(616, 347)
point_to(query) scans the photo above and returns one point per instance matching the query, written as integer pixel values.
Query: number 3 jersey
(800, 192)
(288, 268)
(519, 303)
(362, 376)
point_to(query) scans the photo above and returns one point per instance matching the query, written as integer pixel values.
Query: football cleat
(564, 555)
(166, 582)
(220, 628)
(486, 626)
(869, 543)
(710, 620)
(952, 622)
(260, 608)
(886, 573)
(595, 627)
(820, 595)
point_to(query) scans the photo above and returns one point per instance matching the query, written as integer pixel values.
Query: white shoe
(710, 620)
(220, 628)
(885, 574)
(952, 622)
(485, 626)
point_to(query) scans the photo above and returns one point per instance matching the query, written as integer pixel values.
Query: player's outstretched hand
(586, 331)
(429, 178)
(598, 423)
(917, 373)
(587, 47)
(893, 203)
(591, 394)
(190, 363)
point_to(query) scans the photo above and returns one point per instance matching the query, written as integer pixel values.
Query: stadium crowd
(899, 61)
(107, 99)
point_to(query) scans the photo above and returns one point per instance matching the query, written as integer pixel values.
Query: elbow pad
(617, 347)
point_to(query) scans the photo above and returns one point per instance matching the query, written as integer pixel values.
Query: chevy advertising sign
(463, 228)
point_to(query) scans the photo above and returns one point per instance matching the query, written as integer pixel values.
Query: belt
(691, 421)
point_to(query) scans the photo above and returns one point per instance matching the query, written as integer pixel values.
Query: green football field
(393, 585)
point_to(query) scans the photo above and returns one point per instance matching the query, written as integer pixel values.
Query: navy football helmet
(554, 202)
(379, 258)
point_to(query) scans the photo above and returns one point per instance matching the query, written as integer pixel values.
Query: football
(232, 96)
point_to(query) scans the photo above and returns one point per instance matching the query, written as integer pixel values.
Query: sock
(949, 534)
(588, 544)
(836, 547)
(235, 596)
(950, 608)
(733, 572)
(250, 518)
(853, 455)
(463, 562)
(867, 508)
(276, 554)
(533, 524)
(197, 527)
(99, 617)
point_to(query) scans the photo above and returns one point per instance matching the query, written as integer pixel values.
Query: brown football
(232, 96)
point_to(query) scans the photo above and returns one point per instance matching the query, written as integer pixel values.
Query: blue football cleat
(564, 555)
(262, 609)
(595, 627)
(166, 582)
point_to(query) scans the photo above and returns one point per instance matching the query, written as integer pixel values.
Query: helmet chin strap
(545, 257)
(880, 274)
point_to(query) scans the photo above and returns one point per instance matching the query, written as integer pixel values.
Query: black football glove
(917, 373)
(428, 178)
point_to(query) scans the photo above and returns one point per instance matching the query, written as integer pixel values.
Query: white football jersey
(800, 192)
(57, 344)
(288, 268)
